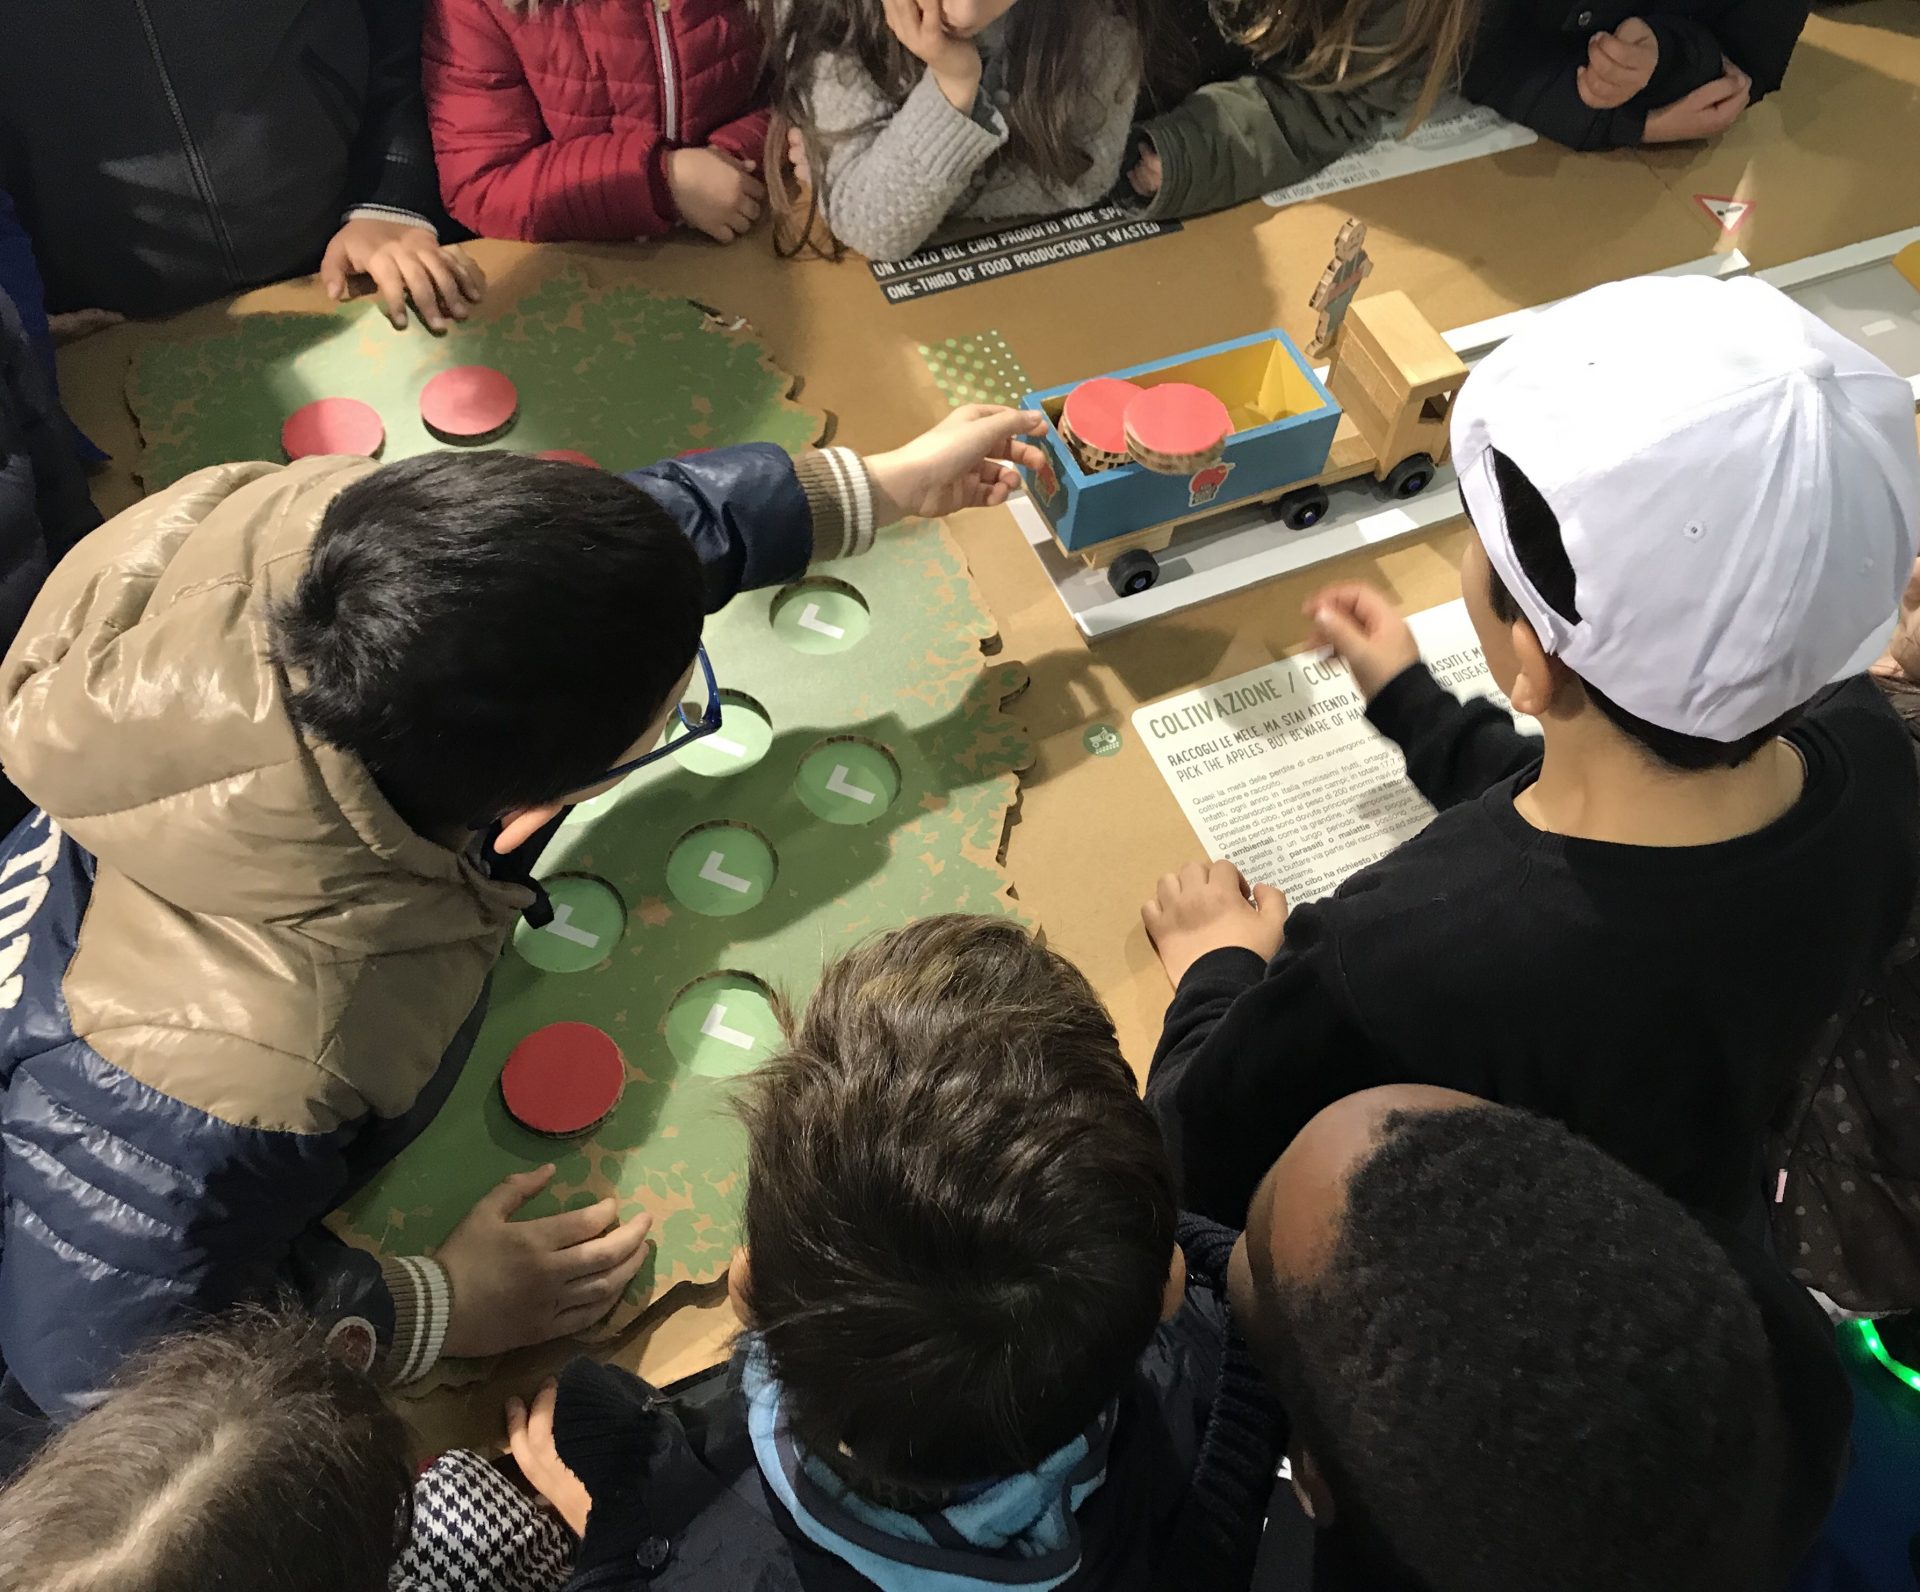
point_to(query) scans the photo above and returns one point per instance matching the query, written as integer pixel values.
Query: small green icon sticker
(820, 616)
(848, 782)
(742, 740)
(1103, 740)
(587, 922)
(722, 1026)
(720, 870)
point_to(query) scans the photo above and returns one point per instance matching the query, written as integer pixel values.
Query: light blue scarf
(1020, 1532)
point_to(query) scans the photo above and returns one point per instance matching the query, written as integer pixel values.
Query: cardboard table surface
(1826, 162)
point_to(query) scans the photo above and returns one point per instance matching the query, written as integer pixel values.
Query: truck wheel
(1304, 508)
(1410, 477)
(1133, 572)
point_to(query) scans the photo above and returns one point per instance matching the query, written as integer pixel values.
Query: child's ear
(1536, 675)
(1176, 1291)
(740, 1286)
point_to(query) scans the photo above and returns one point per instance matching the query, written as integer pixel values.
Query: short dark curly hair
(1523, 1366)
(959, 1214)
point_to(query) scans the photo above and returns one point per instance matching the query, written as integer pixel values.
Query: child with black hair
(1511, 1364)
(272, 717)
(1638, 921)
(980, 1350)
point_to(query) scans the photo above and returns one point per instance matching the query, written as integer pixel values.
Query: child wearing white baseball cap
(1696, 507)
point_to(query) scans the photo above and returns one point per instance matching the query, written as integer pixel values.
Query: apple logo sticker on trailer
(1046, 477)
(1206, 484)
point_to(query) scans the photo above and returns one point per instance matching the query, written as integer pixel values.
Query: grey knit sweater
(894, 173)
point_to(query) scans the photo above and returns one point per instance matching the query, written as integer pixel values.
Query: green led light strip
(1870, 1336)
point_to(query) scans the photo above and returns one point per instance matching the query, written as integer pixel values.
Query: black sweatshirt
(1525, 54)
(1657, 1000)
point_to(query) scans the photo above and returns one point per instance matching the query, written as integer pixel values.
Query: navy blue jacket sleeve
(127, 1213)
(391, 162)
(744, 511)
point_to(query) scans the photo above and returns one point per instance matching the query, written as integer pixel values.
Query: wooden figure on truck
(1382, 412)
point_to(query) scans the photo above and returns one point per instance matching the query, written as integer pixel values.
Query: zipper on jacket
(669, 89)
(195, 166)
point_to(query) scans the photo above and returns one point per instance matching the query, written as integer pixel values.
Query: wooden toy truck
(1383, 411)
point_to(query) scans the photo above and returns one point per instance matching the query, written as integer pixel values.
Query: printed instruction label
(1279, 771)
(1456, 131)
(1008, 253)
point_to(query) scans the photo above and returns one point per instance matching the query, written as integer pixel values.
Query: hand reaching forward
(405, 262)
(959, 464)
(1206, 907)
(520, 1283)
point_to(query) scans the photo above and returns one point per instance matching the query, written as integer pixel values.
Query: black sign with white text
(1023, 248)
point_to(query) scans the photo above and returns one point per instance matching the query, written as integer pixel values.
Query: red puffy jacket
(555, 123)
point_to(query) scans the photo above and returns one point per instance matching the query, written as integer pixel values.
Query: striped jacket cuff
(389, 213)
(840, 498)
(422, 1307)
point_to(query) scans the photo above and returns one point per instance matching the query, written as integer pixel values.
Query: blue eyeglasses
(691, 729)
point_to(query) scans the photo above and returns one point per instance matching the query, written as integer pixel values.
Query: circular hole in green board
(722, 1025)
(745, 733)
(846, 780)
(821, 615)
(721, 869)
(588, 920)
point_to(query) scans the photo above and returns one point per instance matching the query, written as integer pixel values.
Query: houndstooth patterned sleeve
(474, 1531)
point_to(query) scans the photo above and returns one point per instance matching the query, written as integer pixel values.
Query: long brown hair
(1046, 43)
(1322, 40)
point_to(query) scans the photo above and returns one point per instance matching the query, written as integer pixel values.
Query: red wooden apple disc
(468, 402)
(333, 425)
(1096, 412)
(569, 456)
(563, 1079)
(1178, 420)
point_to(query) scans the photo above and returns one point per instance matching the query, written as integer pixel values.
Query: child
(270, 716)
(596, 119)
(1608, 77)
(248, 140)
(911, 113)
(1512, 1365)
(1694, 502)
(244, 1455)
(1289, 89)
(976, 1355)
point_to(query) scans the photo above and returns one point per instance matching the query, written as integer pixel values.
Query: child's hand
(954, 62)
(1145, 175)
(1203, 908)
(797, 157)
(1366, 631)
(1619, 65)
(530, 1437)
(959, 464)
(1705, 113)
(519, 1283)
(405, 262)
(1901, 660)
(715, 193)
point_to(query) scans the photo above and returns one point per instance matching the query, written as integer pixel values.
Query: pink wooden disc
(333, 425)
(1096, 412)
(468, 402)
(569, 456)
(1178, 420)
(563, 1079)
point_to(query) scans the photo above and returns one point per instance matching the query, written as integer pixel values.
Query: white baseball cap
(1737, 486)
